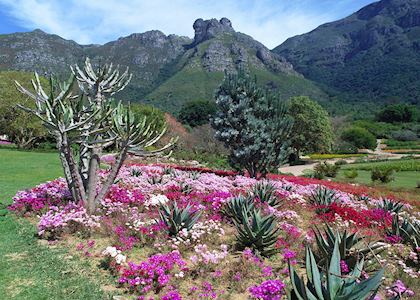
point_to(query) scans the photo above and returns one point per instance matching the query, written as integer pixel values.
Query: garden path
(378, 152)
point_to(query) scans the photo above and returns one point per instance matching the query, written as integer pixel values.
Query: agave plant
(364, 198)
(408, 231)
(177, 219)
(391, 206)
(287, 187)
(257, 232)
(233, 209)
(185, 188)
(348, 245)
(332, 285)
(135, 172)
(266, 193)
(323, 196)
(169, 171)
(155, 179)
(194, 175)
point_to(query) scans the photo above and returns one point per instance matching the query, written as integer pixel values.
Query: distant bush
(378, 129)
(398, 113)
(196, 113)
(340, 162)
(404, 135)
(351, 174)
(151, 113)
(382, 175)
(343, 147)
(359, 137)
(326, 169)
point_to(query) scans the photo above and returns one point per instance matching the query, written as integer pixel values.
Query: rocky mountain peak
(207, 29)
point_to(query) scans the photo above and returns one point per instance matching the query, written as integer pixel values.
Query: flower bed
(153, 256)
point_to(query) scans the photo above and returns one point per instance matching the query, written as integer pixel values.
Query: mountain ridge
(371, 55)
(159, 61)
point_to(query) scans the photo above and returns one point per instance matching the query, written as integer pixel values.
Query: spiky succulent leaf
(323, 196)
(176, 219)
(257, 232)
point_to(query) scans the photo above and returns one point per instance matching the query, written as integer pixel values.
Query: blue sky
(99, 21)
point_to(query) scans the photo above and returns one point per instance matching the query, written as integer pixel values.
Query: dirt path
(378, 152)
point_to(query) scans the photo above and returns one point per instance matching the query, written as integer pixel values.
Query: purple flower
(344, 267)
(268, 290)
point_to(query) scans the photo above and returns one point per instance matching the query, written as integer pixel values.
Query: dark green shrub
(359, 137)
(197, 112)
(343, 147)
(382, 175)
(340, 162)
(326, 169)
(404, 135)
(396, 113)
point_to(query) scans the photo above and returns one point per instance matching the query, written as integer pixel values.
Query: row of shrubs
(325, 169)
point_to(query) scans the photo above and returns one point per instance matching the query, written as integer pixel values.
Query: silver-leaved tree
(84, 119)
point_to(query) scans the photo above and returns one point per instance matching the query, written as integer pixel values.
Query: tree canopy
(196, 113)
(312, 130)
(253, 123)
(21, 127)
(398, 113)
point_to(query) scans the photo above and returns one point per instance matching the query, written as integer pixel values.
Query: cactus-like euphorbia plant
(91, 121)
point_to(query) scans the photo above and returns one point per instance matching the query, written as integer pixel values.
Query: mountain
(372, 55)
(217, 48)
(167, 70)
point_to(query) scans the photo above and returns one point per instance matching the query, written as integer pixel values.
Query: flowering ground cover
(174, 233)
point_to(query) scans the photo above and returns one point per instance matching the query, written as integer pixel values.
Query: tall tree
(21, 128)
(91, 121)
(253, 123)
(312, 130)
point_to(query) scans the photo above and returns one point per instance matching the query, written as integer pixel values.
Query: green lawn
(396, 164)
(404, 179)
(28, 269)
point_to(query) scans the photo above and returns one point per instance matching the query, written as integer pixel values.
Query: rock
(207, 29)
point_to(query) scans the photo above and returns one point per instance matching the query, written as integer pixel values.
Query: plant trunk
(93, 179)
(84, 161)
(65, 164)
(78, 191)
(112, 175)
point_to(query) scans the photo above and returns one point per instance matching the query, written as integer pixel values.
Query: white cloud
(99, 21)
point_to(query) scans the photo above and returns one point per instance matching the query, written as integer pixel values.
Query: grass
(397, 165)
(403, 180)
(29, 269)
(334, 155)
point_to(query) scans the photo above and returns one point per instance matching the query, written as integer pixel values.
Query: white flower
(120, 258)
(156, 200)
(111, 251)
